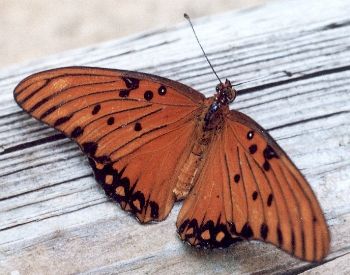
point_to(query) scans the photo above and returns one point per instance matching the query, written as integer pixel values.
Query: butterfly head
(225, 93)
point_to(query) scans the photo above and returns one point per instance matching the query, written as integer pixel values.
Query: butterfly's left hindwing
(135, 128)
(249, 188)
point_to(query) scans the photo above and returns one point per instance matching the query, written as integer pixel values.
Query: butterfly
(152, 141)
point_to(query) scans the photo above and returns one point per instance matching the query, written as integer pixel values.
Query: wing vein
(243, 182)
(149, 141)
(51, 78)
(150, 131)
(298, 208)
(32, 93)
(229, 183)
(128, 123)
(51, 97)
(257, 186)
(113, 113)
(284, 200)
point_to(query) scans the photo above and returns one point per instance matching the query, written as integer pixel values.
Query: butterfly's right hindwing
(249, 188)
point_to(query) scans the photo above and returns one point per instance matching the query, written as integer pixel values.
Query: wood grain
(54, 218)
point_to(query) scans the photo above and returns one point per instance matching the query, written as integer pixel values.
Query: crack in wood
(307, 120)
(56, 215)
(33, 143)
(46, 187)
(294, 79)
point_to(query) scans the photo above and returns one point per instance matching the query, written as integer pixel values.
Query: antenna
(211, 66)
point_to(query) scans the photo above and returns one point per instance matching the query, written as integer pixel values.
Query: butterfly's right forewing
(135, 128)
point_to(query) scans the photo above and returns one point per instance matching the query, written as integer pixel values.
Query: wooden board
(54, 218)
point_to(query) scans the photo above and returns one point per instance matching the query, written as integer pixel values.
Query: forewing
(125, 122)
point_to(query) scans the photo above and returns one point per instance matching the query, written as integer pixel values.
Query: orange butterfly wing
(135, 128)
(249, 188)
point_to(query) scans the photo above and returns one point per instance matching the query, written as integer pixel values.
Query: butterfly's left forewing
(135, 128)
(249, 188)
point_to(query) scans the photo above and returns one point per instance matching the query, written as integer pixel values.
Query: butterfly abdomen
(186, 177)
(192, 166)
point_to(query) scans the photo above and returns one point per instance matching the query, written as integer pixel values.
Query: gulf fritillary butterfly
(152, 141)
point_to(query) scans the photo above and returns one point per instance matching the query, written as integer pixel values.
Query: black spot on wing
(253, 148)
(154, 209)
(131, 83)
(148, 95)
(49, 111)
(233, 228)
(246, 231)
(266, 166)
(269, 153)
(89, 148)
(61, 120)
(162, 90)
(38, 104)
(96, 109)
(293, 242)
(124, 93)
(110, 121)
(137, 126)
(269, 200)
(264, 230)
(279, 236)
(250, 135)
(255, 195)
(78, 131)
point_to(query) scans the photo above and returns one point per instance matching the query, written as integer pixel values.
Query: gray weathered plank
(55, 219)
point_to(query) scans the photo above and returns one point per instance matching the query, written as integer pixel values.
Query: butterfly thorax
(225, 94)
(210, 124)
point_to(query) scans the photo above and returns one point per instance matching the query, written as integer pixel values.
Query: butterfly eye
(217, 88)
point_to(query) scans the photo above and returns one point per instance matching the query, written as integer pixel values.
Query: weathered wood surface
(54, 218)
